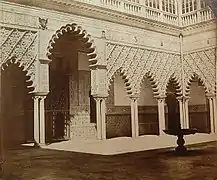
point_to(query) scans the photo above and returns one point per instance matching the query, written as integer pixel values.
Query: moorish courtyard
(108, 89)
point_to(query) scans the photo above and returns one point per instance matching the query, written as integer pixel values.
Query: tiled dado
(118, 121)
(199, 118)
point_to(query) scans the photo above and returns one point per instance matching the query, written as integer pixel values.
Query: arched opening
(16, 107)
(118, 115)
(69, 105)
(172, 117)
(199, 107)
(148, 110)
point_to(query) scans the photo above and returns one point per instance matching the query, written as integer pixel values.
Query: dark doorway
(16, 108)
(59, 125)
(173, 115)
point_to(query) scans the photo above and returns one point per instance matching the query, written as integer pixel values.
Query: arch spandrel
(20, 46)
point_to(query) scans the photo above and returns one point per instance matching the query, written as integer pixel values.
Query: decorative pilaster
(100, 117)
(134, 116)
(161, 115)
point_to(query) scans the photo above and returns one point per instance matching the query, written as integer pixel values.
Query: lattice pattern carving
(19, 47)
(81, 126)
(135, 64)
(201, 65)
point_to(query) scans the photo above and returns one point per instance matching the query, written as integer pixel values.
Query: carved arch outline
(82, 36)
(178, 86)
(121, 72)
(200, 79)
(29, 80)
(154, 83)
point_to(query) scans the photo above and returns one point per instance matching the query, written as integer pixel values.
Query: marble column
(161, 115)
(186, 112)
(182, 122)
(98, 121)
(42, 120)
(211, 110)
(134, 117)
(36, 120)
(215, 113)
(103, 118)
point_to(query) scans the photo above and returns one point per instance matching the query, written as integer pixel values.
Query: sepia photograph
(108, 90)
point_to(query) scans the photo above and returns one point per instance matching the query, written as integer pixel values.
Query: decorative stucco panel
(136, 63)
(20, 47)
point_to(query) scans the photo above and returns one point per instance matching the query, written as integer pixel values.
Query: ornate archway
(73, 56)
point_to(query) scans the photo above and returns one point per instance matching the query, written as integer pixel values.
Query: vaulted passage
(16, 108)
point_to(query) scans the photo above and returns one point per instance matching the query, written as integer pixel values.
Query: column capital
(134, 97)
(179, 98)
(44, 61)
(210, 95)
(40, 94)
(99, 98)
(161, 98)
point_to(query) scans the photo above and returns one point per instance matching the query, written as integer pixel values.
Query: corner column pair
(184, 112)
(39, 120)
(212, 112)
(100, 117)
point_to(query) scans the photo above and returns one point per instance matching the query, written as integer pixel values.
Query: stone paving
(41, 164)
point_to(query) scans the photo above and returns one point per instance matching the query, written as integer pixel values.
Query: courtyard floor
(28, 163)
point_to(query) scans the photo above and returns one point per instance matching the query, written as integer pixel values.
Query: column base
(39, 145)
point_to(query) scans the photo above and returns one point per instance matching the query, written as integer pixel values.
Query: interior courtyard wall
(198, 37)
(165, 45)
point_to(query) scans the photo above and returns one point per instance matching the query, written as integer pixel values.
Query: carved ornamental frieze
(20, 47)
(135, 64)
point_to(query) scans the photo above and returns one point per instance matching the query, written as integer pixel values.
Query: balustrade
(158, 10)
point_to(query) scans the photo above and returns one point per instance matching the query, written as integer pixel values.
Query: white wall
(120, 95)
(197, 94)
(146, 96)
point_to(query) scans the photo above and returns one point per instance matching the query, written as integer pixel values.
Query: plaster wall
(200, 37)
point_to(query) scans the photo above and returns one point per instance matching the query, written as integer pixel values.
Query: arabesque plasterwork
(135, 64)
(19, 46)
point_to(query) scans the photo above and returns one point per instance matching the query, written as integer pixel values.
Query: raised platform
(126, 144)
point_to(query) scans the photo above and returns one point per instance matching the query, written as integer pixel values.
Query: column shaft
(215, 113)
(136, 118)
(161, 116)
(133, 118)
(36, 120)
(103, 119)
(42, 121)
(98, 120)
(186, 114)
(211, 115)
(181, 114)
